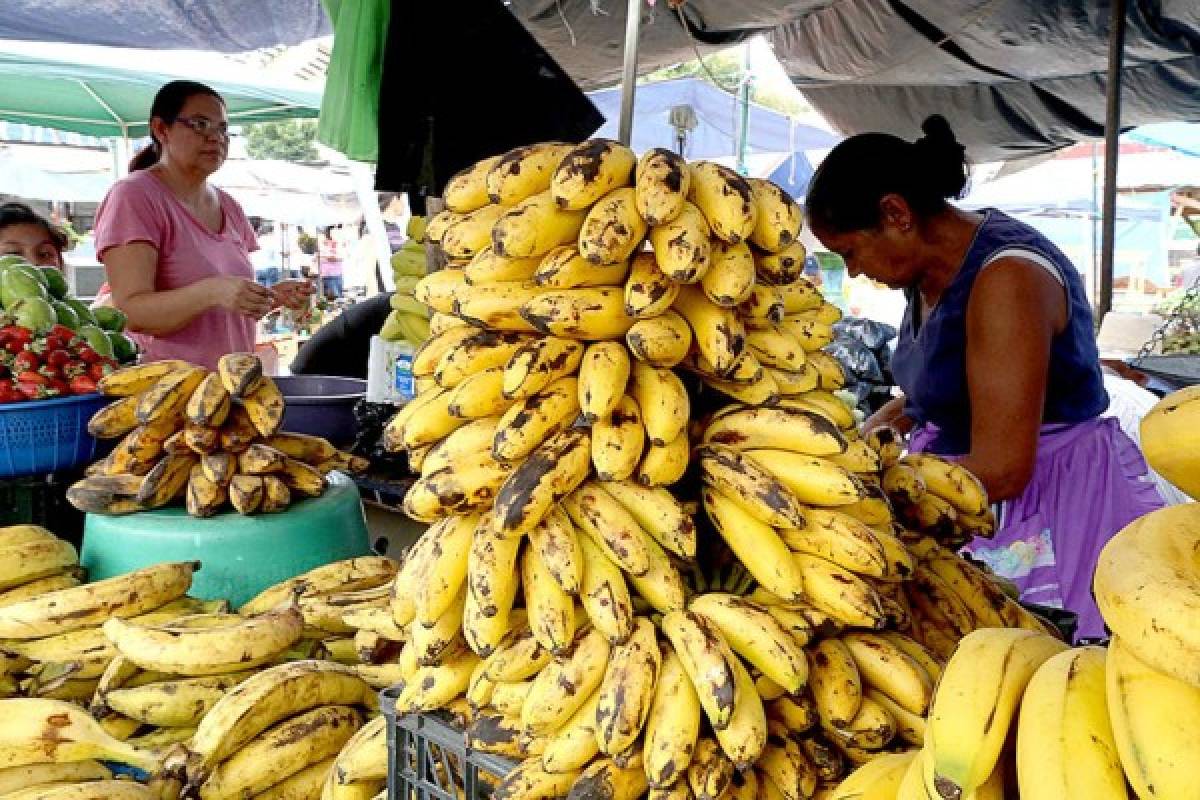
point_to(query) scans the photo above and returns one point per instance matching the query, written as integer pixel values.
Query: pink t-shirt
(140, 208)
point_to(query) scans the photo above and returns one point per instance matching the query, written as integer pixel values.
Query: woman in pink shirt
(176, 249)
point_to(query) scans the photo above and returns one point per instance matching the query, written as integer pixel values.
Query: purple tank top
(930, 363)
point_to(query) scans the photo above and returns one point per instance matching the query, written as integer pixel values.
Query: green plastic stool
(240, 555)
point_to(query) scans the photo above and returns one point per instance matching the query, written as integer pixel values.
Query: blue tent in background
(717, 116)
(1183, 137)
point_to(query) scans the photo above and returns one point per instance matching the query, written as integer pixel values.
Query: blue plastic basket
(44, 436)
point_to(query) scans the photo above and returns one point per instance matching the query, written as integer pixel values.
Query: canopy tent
(97, 91)
(24, 179)
(1182, 137)
(717, 118)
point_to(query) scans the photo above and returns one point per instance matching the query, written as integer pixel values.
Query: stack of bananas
(211, 438)
(409, 319)
(936, 496)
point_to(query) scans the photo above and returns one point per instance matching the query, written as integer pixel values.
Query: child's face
(31, 242)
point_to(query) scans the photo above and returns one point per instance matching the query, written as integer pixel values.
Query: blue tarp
(718, 115)
(1183, 137)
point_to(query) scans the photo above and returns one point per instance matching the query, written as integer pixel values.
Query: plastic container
(428, 758)
(43, 436)
(240, 556)
(389, 372)
(321, 405)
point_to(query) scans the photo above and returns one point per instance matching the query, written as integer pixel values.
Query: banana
(756, 636)
(744, 738)
(603, 376)
(927, 589)
(17, 778)
(567, 684)
(841, 594)
(798, 714)
(181, 702)
(950, 481)
(611, 527)
(618, 441)
(240, 373)
(1151, 717)
(87, 606)
(467, 237)
(841, 415)
(91, 790)
(432, 687)
(518, 657)
(811, 335)
(605, 594)
(525, 171)
(726, 200)
(51, 583)
(840, 539)
(438, 290)
(784, 764)
(246, 493)
(132, 381)
(763, 391)
(564, 268)
(589, 314)
(810, 479)
(878, 779)
(537, 364)
(475, 353)
(798, 431)
(200, 440)
(909, 727)
(467, 189)
(710, 772)
(282, 752)
(166, 401)
(662, 183)
(474, 437)
(659, 514)
(830, 374)
(573, 745)
(551, 610)
(976, 699)
(308, 783)
(492, 575)
(535, 226)
(776, 348)
(445, 568)
(903, 484)
(44, 731)
(784, 268)
(590, 171)
(604, 780)
(627, 688)
(31, 561)
(480, 395)
(496, 306)
(531, 781)
(661, 341)
(488, 267)
(672, 725)
(757, 546)
(366, 572)
(432, 421)
(557, 544)
(729, 280)
(777, 218)
(549, 474)
(1065, 745)
(535, 419)
(753, 488)
(430, 354)
(1168, 435)
(826, 313)
(983, 598)
(508, 698)
(718, 333)
(835, 682)
(663, 465)
(883, 665)
(764, 307)
(613, 229)
(436, 226)
(662, 399)
(301, 479)
(649, 292)
(682, 247)
(490, 732)
(116, 419)
(708, 662)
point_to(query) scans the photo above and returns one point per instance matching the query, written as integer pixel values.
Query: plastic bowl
(44, 436)
(321, 405)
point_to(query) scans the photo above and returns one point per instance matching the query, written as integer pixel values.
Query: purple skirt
(1089, 482)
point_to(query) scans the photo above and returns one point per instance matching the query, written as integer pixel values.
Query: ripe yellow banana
(883, 665)
(525, 171)
(726, 200)
(1169, 439)
(438, 223)
(439, 289)
(17, 778)
(550, 473)
(492, 575)
(467, 189)
(673, 724)
(764, 307)
(798, 431)
(745, 736)
(708, 662)
(445, 569)
(566, 683)
(756, 545)
(831, 376)
(605, 780)
(878, 779)
(535, 226)
(465, 238)
(350, 575)
(611, 527)
(430, 354)
(798, 714)
(777, 218)
(565, 268)
(756, 636)
(661, 585)
(478, 352)
(682, 247)
(649, 292)
(835, 683)
(535, 419)
(43, 731)
(537, 364)
(591, 170)
(432, 687)
(776, 348)
(603, 376)
(613, 229)
(662, 183)
(661, 341)
(785, 765)
(757, 491)
(710, 772)
(496, 306)
(518, 657)
(474, 437)
(662, 399)
(627, 689)
(555, 540)
(605, 594)
(551, 610)
(810, 479)
(785, 268)
(976, 699)
(840, 593)
(659, 514)
(618, 440)
(841, 539)
(573, 745)
(23, 563)
(950, 481)
(663, 465)
(429, 423)
(180, 702)
(730, 276)
(531, 781)
(718, 333)
(589, 314)
(480, 395)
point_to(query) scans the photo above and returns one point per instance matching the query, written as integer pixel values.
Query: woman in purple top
(996, 358)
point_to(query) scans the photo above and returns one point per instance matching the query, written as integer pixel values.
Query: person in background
(175, 248)
(331, 260)
(996, 357)
(265, 259)
(28, 234)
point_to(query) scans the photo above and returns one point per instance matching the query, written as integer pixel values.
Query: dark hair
(21, 214)
(845, 191)
(168, 102)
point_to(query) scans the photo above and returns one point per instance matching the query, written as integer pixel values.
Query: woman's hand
(291, 294)
(890, 413)
(240, 295)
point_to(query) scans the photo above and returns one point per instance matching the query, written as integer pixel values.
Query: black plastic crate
(428, 758)
(41, 500)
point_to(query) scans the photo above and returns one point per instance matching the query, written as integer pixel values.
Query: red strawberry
(99, 370)
(32, 377)
(57, 358)
(63, 332)
(82, 384)
(57, 387)
(9, 393)
(89, 355)
(26, 360)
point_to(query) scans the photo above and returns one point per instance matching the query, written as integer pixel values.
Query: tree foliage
(289, 140)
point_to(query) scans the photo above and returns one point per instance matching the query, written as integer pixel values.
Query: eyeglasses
(206, 127)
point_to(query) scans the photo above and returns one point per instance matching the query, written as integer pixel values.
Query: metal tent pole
(1112, 133)
(633, 29)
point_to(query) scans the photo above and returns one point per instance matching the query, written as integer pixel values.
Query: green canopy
(104, 92)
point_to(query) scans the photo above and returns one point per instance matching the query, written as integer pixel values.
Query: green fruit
(17, 284)
(109, 318)
(34, 313)
(66, 315)
(124, 349)
(97, 338)
(56, 282)
(81, 310)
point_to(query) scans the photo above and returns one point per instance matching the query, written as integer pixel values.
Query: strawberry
(25, 361)
(63, 332)
(57, 358)
(56, 387)
(32, 391)
(9, 393)
(32, 377)
(82, 384)
(89, 355)
(99, 370)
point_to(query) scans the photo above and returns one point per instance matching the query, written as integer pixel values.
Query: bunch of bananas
(936, 496)
(211, 438)
(409, 319)
(1169, 439)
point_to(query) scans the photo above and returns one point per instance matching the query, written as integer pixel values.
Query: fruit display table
(241, 555)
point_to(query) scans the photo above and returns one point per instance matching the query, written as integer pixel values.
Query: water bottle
(403, 383)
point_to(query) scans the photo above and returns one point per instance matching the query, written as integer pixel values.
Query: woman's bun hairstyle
(943, 158)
